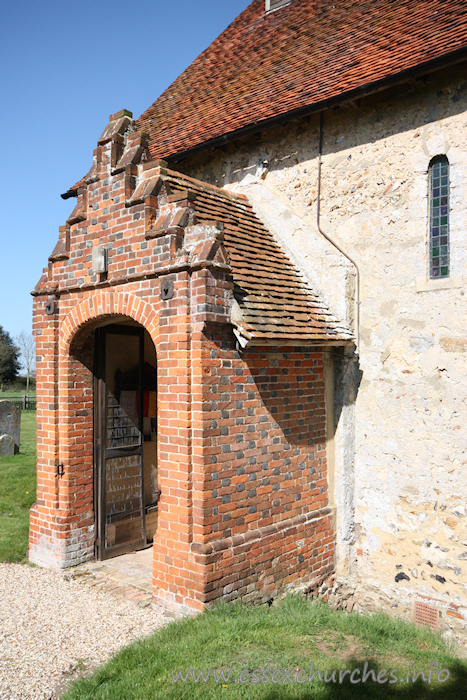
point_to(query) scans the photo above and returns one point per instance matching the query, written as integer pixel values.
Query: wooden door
(118, 443)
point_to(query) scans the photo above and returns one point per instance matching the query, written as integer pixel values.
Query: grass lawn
(248, 643)
(18, 492)
(5, 395)
(292, 635)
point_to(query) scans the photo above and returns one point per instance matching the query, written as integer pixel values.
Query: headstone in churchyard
(7, 446)
(10, 421)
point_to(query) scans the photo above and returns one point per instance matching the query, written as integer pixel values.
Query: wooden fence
(24, 402)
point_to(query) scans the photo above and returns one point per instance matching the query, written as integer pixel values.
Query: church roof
(307, 55)
(276, 304)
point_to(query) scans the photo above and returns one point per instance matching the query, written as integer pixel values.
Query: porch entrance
(125, 440)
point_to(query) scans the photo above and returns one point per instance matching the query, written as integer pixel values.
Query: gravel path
(50, 626)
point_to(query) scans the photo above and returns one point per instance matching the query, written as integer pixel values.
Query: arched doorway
(125, 438)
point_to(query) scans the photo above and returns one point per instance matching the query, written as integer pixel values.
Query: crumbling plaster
(399, 480)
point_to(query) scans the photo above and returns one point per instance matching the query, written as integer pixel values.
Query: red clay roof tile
(307, 52)
(277, 304)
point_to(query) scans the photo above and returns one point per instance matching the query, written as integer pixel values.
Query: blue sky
(64, 68)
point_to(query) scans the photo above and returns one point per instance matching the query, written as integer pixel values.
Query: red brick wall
(265, 480)
(241, 446)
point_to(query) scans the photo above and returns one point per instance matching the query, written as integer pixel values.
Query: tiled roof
(310, 52)
(276, 303)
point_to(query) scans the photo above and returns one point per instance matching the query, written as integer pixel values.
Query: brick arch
(75, 410)
(105, 304)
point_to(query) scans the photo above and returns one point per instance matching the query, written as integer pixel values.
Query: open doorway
(125, 439)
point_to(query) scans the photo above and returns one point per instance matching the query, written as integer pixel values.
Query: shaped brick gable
(167, 222)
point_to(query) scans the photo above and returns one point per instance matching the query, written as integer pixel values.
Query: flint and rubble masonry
(399, 444)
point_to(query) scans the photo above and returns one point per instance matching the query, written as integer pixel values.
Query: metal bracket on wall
(167, 289)
(60, 469)
(50, 306)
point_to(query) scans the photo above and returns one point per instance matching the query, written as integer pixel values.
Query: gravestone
(10, 424)
(7, 446)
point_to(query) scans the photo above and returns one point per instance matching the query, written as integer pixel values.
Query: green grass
(294, 634)
(7, 393)
(18, 492)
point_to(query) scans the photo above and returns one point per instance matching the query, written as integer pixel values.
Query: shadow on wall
(347, 379)
(278, 401)
(373, 119)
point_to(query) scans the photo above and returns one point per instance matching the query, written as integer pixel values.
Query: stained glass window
(439, 217)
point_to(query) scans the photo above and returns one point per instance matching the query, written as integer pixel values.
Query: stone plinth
(10, 422)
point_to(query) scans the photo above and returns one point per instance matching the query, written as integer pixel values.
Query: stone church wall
(400, 400)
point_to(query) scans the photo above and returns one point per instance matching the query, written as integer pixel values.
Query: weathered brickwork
(261, 521)
(241, 448)
(400, 401)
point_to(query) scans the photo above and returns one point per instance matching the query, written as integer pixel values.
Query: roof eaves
(445, 61)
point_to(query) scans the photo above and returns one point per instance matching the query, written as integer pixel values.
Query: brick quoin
(241, 445)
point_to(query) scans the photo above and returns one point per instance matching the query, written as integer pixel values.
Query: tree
(27, 347)
(9, 354)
